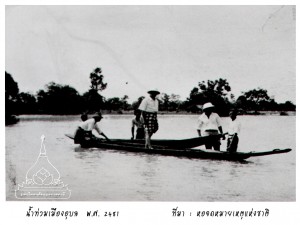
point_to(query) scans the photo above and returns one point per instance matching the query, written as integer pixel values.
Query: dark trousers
(232, 143)
(82, 136)
(140, 133)
(215, 145)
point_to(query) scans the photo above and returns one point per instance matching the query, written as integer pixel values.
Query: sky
(169, 48)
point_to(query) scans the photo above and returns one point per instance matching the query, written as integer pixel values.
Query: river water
(99, 175)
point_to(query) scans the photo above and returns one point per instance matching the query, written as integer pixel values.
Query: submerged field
(94, 174)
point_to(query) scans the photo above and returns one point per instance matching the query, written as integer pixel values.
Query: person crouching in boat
(149, 108)
(233, 131)
(139, 124)
(79, 133)
(85, 128)
(209, 123)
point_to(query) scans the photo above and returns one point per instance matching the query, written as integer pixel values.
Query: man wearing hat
(149, 108)
(209, 123)
(85, 128)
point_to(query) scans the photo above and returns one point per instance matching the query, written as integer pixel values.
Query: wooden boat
(189, 153)
(177, 144)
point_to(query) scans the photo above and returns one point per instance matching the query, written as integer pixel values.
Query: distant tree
(117, 104)
(215, 92)
(287, 106)
(242, 103)
(11, 98)
(113, 104)
(196, 97)
(97, 80)
(218, 87)
(93, 101)
(164, 102)
(175, 102)
(27, 103)
(232, 98)
(185, 106)
(169, 102)
(124, 100)
(268, 105)
(257, 95)
(11, 88)
(256, 99)
(59, 99)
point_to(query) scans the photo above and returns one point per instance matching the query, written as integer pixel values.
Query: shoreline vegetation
(161, 113)
(58, 99)
(130, 114)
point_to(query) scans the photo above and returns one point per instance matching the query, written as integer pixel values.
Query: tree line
(58, 99)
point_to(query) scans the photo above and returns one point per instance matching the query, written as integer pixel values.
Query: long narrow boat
(170, 143)
(189, 153)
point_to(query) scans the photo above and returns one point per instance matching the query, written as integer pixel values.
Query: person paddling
(149, 108)
(209, 123)
(85, 128)
(233, 131)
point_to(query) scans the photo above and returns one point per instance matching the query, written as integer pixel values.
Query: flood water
(107, 175)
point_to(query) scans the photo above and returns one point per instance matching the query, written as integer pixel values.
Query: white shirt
(211, 123)
(149, 105)
(234, 127)
(89, 125)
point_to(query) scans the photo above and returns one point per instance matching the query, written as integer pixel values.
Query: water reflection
(88, 153)
(149, 168)
(79, 149)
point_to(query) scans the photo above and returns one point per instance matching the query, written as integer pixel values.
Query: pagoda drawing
(42, 180)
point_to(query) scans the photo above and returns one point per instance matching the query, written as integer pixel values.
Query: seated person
(139, 124)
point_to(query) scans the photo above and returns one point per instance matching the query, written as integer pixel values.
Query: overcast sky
(170, 48)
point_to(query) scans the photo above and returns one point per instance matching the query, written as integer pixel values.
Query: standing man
(209, 123)
(84, 130)
(233, 131)
(149, 108)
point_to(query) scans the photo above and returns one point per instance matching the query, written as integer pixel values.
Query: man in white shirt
(209, 123)
(149, 108)
(85, 128)
(233, 131)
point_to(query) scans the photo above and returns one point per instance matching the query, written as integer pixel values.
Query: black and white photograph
(150, 103)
